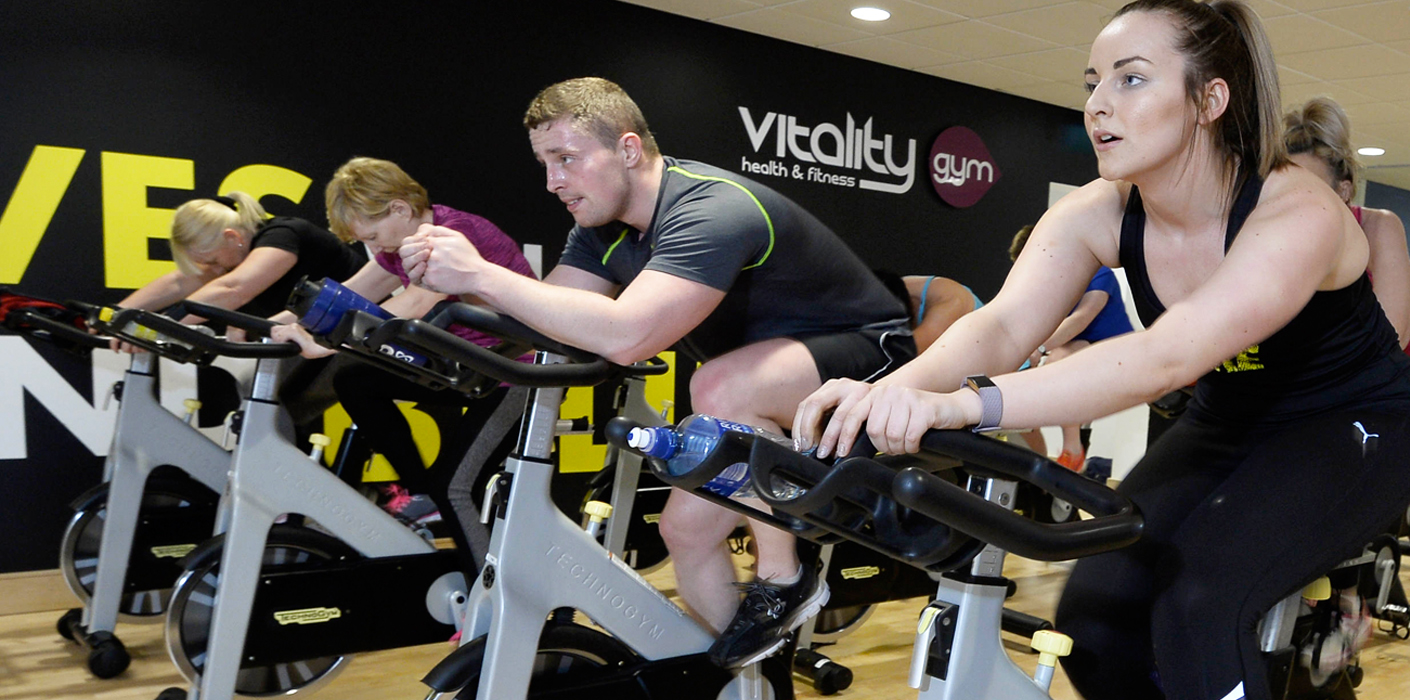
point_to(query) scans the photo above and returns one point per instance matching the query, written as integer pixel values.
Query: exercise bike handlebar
(1115, 521)
(454, 362)
(252, 324)
(191, 345)
(514, 330)
(27, 320)
(900, 506)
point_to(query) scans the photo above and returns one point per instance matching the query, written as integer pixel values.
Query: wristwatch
(990, 398)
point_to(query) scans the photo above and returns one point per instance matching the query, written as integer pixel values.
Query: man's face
(590, 178)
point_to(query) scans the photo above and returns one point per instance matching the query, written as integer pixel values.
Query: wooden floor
(35, 663)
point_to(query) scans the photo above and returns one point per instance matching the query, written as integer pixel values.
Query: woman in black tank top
(1250, 277)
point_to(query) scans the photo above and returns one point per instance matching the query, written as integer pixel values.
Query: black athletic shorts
(866, 355)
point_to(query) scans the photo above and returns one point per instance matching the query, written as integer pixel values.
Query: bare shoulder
(1381, 221)
(1300, 223)
(1297, 199)
(1090, 214)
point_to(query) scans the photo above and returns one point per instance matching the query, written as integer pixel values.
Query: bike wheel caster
(107, 657)
(1355, 674)
(67, 622)
(828, 677)
(172, 694)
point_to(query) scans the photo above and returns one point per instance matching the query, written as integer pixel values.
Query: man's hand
(441, 259)
(294, 333)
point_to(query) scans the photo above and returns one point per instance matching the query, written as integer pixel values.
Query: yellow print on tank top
(1245, 361)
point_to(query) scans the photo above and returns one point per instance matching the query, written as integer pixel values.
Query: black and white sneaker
(765, 618)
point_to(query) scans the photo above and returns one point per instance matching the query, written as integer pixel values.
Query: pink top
(493, 244)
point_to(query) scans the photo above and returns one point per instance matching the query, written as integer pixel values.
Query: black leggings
(1236, 520)
(369, 396)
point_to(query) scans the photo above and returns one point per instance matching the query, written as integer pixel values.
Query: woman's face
(386, 233)
(226, 255)
(1138, 114)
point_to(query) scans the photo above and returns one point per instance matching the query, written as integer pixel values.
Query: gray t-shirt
(785, 274)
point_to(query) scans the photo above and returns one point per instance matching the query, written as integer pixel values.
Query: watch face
(979, 381)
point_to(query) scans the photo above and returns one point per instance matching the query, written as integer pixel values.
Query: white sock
(786, 581)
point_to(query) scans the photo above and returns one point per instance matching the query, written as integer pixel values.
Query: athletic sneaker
(412, 509)
(1331, 653)
(1072, 460)
(765, 618)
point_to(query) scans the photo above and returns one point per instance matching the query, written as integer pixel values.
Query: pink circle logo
(961, 169)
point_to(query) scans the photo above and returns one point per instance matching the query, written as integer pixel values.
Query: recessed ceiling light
(871, 14)
(1371, 151)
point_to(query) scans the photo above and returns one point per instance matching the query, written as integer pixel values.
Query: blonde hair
(1225, 39)
(198, 225)
(1321, 127)
(363, 188)
(596, 106)
(1020, 240)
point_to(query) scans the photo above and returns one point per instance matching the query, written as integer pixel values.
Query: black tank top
(1339, 351)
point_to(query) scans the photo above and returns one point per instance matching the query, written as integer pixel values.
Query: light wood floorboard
(35, 663)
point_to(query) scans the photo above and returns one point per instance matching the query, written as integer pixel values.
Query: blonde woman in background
(1319, 139)
(229, 253)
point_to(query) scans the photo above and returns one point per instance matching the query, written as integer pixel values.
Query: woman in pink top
(376, 202)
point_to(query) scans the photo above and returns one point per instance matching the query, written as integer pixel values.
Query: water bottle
(322, 305)
(686, 446)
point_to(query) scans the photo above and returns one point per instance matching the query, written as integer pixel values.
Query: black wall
(440, 88)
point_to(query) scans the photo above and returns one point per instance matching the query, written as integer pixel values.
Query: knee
(716, 391)
(678, 531)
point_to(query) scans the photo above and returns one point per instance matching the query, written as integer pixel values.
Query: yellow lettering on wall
(260, 180)
(45, 179)
(127, 220)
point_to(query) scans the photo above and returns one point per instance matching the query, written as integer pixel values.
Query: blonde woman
(230, 254)
(1319, 139)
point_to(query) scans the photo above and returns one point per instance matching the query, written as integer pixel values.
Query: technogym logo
(961, 169)
(825, 153)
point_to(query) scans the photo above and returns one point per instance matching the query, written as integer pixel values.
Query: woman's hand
(848, 401)
(900, 416)
(294, 333)
(896, 416)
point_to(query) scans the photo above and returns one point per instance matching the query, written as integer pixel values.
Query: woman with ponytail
(1319, 139)
(1250, 276)
(230, 254)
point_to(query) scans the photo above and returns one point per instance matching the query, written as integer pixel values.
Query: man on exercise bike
(674, 253)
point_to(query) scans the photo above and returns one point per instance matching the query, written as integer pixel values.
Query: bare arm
(1390, 266)
(946, 301)
(260, 269)
(162, 291)
(1296, 245)
(1087, 309)
(373, 282)
(648, 316)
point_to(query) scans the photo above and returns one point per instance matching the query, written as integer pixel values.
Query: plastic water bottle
(684, 447)
(322, 305)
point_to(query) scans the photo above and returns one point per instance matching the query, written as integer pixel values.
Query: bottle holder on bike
(905, 508)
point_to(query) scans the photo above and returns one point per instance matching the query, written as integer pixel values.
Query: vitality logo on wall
(843, 156)
(961, 169)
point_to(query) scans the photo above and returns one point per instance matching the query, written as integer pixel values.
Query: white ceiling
(1355, 51)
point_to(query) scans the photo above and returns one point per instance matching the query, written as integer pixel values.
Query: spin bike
(948, 510)
(519, 638)
(121, 550)
(317, 585)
